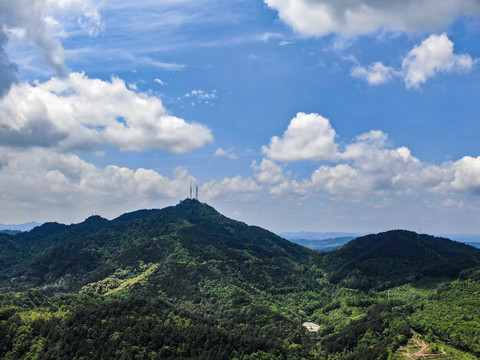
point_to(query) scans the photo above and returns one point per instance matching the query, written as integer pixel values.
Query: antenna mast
(191, 196)
(196, 192)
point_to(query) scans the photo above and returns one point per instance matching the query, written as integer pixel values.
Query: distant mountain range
(20, 227)
(465, 238)
(327, 244)
(311, 235)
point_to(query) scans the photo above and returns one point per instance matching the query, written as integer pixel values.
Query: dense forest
(185, 282)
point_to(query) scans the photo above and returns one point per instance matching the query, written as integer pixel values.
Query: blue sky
(315, 115)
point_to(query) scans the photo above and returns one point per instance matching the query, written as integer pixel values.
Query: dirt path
(421, 349)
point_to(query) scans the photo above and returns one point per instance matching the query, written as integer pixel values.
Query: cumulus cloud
(82, 113)
(40, 178)
(268, 172)
(432, 56)
(279, 184)
(230, 189)
(466, 176)
(322, 17)
(375, 74)
(367, 166)
(308, 137)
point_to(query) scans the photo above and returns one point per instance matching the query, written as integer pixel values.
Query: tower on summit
(191, 191)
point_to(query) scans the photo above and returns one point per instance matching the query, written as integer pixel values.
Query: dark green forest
(185, 282)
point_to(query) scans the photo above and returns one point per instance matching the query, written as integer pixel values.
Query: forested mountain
(187, 282)
(395, 257)
(191, 234)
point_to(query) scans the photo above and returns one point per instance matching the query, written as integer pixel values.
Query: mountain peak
(194, 210)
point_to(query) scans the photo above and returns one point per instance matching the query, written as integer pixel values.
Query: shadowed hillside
(394, 257)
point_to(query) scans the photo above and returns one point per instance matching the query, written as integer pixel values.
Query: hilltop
(394, 257)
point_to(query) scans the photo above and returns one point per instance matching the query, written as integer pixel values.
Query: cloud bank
(42, 179)
(366, 170)
(363, 168)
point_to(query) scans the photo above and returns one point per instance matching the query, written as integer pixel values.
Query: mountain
(190, 238)
(204, 285)
(398, 256)
(186, 282)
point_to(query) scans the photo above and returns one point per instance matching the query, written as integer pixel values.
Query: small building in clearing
(312, 327)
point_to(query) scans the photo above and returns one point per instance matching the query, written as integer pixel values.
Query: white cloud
(226, 153)
(308, 137)
(375, 74)
(230, 189)
(367, 167)
(143, 60)
(349, 18)
(268, 172)
(91, 22)
(38, 178)
(466, 176)
(268, 36)
(279, 184)
(201, 95)
(337, 179)
(82, 113)
(285, 43)
(432, 56)
(158, 81)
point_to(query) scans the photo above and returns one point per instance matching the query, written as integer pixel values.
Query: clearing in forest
(416, 348)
